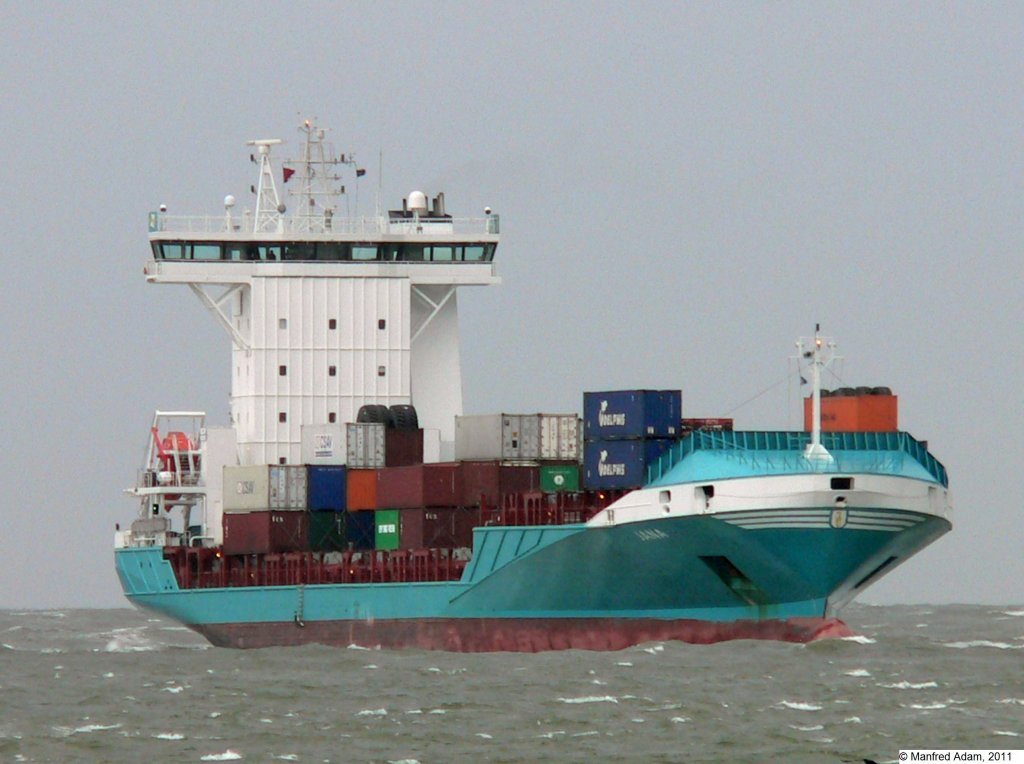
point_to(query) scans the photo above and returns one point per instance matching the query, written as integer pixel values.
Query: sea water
(122, 685)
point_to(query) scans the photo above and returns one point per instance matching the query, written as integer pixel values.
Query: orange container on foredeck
(855, 413)
(362, 490)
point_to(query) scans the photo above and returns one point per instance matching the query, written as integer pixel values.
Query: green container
(559, 477)
(327, 532)
(385, 532)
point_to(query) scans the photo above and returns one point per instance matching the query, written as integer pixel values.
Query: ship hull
(695, 579)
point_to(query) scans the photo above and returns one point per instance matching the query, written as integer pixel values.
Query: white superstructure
(327, 313)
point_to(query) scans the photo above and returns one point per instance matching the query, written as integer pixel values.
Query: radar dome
(418, 202)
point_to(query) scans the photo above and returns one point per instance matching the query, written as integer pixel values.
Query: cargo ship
(349, 500)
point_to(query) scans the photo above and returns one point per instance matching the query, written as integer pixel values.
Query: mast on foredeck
(820, 355)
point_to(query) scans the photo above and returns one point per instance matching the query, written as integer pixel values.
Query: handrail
(304, 225)
(750, 443)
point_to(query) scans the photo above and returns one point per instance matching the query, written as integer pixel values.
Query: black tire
(863, 391)
(845, 392)
(404, 416)
(375, 413)
(881, 391)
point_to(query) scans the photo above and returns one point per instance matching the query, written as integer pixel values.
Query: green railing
(750, 443)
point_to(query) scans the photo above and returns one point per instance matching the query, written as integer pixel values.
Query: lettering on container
(323, 446)
(604, 419)
(387, 528)
(610, 470)
(246, 487)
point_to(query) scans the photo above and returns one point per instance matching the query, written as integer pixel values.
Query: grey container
(365, 445)
(323, 444)
(517, 437)
(265, 486)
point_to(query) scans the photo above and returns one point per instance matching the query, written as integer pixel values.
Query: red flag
(288, 172)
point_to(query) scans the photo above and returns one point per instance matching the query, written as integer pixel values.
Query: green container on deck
(559, 477)
(327, 532)
(385, 532)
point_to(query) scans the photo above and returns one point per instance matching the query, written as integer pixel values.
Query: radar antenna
(268, 204)
(317, 181)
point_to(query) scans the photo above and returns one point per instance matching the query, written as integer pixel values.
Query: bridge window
(206, 251)
(443, 253)
(300, 251)
(364, 251)
(473, 253)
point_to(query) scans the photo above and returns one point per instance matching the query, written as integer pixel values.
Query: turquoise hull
(670, 578)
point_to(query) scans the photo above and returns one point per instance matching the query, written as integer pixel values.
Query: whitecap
(109, 675)
(228, 755)
(371, 666)
(638, 721)
(214, 714)
(598, 682)
(8, 647)
(403, 761)
(485, 736)
(852, 720)
(858, 672)
(169, 736)
(983, 643)
(1013, 701)
(1014, 613)
(797, 706)
(624, 663)
(354, 646)
(434, 670)
(680, 719)
(551, 735)
(589, 733)
(928, 706)
(373, 712)
(415, 711)
(1005, 733)
(173, 690)
(905, 685)
(859, 639)
(287, 757)
(590, 699)
(97, 727)
(266, 721)
(438, 711)
(811, 728)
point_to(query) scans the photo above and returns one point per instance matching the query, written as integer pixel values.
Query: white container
(323, 444)
(264, 486)
(365, 445)
(517, 437)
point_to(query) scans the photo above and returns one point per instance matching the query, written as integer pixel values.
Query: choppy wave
(590, 699)
(905, 685)
(983, 643)
(228, 755)
(799, 706)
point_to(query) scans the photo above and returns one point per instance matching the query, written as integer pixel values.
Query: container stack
(265, 509)
(624, 432)
(855, 409)
(327, 501)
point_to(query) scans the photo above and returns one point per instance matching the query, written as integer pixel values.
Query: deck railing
(299, 225)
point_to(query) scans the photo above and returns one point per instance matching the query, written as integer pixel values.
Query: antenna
(317, 182)
(268, 204)
(820, 356)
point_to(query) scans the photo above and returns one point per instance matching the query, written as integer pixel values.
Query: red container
(265, 531)
(420, 485)
(361, 491)
(428, 528)
(488, 481)
(403, 448)
(861, 413)
(466, 519)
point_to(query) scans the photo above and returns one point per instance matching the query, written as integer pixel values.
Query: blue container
(327, 488)
(614, 464)
(631, 414)
(360, 529)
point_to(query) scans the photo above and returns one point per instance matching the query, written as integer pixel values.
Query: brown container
(403, 448)
(362, 489)
(488, 481)
(428, 528)
(466, 519)
(420, 485)
(265, 531)
(855, 413)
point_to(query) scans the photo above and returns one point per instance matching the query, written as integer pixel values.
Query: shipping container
(360, 529)
(428, 528)
(327, 488)
(403, 448)
(327, 532)
(613, 464)
(855, 413)
(517, 437)
(361, 489)
(263, 486)
(559, 477)
(265, 531)
(420, 485)
(365, 444)
(632, 414)
(323, 444)
(714, 424)
(487, 481)
(385, 533)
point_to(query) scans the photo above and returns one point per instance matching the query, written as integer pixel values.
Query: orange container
(362, 489)
(860, 413)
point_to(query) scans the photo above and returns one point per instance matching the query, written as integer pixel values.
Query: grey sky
(684, 189)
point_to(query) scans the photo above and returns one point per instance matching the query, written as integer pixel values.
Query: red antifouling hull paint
(522, 635)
